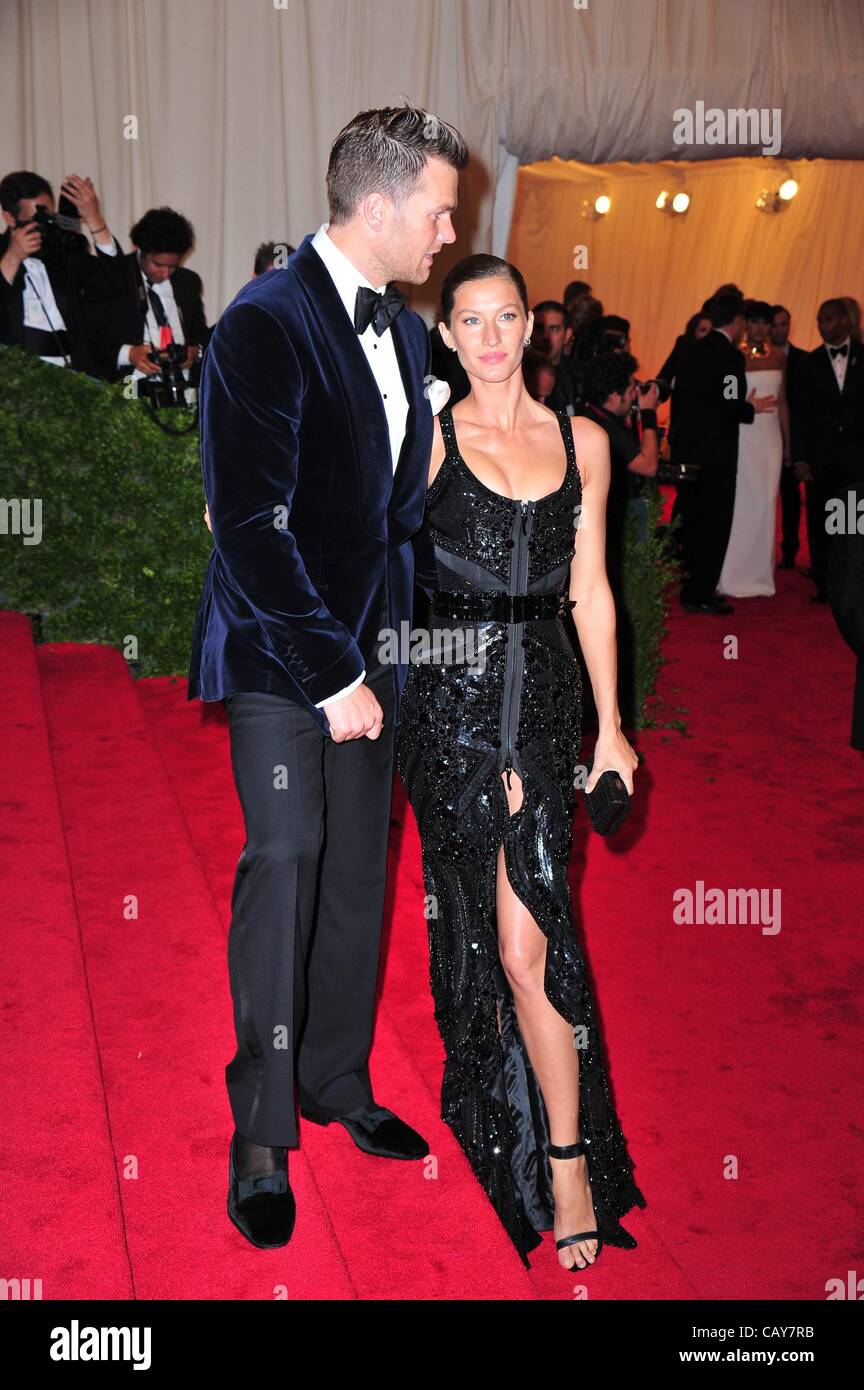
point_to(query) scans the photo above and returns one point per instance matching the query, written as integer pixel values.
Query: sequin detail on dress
(463, 722)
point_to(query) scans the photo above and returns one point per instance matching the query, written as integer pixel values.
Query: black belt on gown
(498, 607)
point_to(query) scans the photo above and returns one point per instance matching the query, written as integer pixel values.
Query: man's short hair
(576, 289)
(722, 309)
(385, 151)
(556, 307)
(837, 305)
(779, 309)
(22, 184)
(727, 289)
(163, 230)
(266, 254)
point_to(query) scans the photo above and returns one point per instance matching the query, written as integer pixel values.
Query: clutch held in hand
(608, 803)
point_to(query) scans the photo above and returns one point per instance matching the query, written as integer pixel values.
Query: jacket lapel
(349, 368)
(412, 380)
(853, 366)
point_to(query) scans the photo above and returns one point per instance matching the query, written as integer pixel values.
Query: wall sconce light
(676, 204)
(592, 212)
(778, 199)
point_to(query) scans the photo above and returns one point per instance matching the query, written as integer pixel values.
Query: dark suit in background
(683, 489)
(830, 438)
(73, 273)
(669, 371)
(827, 435)
(710, 404)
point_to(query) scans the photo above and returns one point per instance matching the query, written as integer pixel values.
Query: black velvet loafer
(376, 1131)
(263, 1208)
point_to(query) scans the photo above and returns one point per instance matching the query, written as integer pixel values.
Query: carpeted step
(62, 1215)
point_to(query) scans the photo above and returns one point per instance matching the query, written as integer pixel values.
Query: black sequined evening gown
(512, 700)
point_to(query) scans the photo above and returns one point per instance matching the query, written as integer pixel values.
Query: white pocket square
(438, 392)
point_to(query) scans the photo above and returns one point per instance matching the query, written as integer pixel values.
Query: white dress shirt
(151, 327)
(381, 356)
(40, 306)
(839, 363)
(44, 314)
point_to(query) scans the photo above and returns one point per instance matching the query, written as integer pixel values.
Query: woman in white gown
(748, 567)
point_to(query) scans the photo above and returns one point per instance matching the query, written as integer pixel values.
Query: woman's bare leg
(549, 1041)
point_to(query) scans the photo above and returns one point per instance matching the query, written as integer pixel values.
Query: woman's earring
(526, 342)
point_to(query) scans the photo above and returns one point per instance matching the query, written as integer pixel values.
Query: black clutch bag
(609, 803)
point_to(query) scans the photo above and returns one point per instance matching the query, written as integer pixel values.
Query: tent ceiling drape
(602, 84)
(237, 101)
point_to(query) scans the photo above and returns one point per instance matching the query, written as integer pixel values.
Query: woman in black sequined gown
(488, 748)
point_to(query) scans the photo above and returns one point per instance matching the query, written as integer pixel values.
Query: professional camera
(60, 230)
(663, 391)
(170, 388)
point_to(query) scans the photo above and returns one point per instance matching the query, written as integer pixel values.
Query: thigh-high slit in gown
(488, 694)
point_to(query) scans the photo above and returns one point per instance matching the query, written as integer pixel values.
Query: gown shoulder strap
(448, 432)
(567, 434)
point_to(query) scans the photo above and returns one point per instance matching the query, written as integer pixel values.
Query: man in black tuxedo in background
(790, 486)
(828, 449)
(825, 439)
(710, 403)
(45, 269)
(148, 299)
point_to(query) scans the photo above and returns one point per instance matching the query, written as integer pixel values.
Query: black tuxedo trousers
(308, 899)
(707, 524)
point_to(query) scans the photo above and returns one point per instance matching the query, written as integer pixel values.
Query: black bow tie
(378, 309)
(839, 352)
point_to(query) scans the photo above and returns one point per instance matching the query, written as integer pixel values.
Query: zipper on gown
(521, 536)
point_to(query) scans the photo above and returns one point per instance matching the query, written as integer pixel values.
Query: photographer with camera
(46, 266)
(150, 316)
(627, 410)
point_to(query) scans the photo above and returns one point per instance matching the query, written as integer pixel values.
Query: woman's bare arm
(594, 614)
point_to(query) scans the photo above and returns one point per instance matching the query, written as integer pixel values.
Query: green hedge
(650, 570)
(124, 547)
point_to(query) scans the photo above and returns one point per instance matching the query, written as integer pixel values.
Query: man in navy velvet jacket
(316, 436)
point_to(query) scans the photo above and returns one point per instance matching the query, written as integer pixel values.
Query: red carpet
(733, 1050)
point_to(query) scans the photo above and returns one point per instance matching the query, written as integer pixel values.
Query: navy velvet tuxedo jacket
(311, 527)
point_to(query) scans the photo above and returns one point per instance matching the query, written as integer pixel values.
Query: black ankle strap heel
(574, 1151)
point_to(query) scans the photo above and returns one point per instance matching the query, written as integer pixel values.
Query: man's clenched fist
(354, 715)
